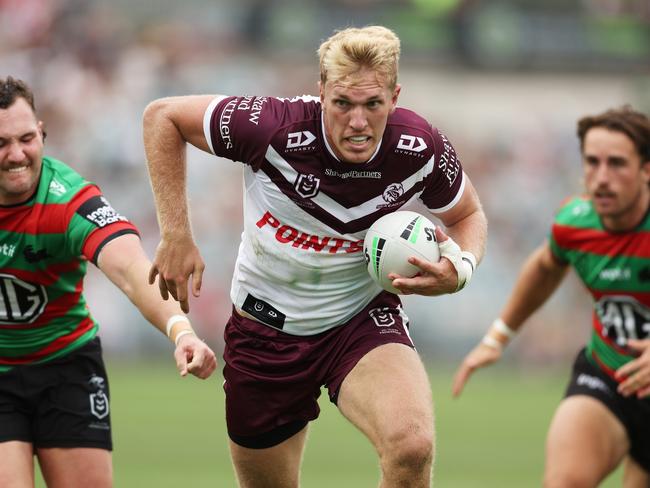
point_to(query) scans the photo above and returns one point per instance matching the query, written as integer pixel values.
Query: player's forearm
(148, 301)
(538, 279)
(165, 151)
(470, 233)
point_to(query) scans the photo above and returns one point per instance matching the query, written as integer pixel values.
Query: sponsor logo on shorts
(264, 312)
(98, 399)
(307, 185)
(100, 212)
(285, 234)
(593, 383)
(21, 302)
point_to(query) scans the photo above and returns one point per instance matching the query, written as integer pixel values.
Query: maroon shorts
(273, 379)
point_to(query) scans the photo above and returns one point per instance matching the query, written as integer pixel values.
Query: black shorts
(60, 403)
(634, 414)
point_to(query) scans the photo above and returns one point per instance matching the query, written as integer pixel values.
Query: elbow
(154, 111)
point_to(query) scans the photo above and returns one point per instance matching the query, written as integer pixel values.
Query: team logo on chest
(307, 185)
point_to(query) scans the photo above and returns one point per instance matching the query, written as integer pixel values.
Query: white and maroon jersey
(300, 266)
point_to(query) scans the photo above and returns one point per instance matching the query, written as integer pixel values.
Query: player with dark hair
(318, 171)
(605, 237)
(54, 394)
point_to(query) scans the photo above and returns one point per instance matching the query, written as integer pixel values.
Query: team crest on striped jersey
(307, 185)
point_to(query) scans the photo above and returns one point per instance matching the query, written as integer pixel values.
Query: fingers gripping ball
(392, 239)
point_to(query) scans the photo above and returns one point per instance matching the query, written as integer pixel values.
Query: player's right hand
(175, 262)
(195, 357)
(482, 355)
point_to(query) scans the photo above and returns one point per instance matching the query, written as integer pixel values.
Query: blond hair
(350, 50)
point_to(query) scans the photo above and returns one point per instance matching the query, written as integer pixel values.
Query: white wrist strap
(181, 334)
(464, 261)
(502, 328)
(490, 341)
(173, 320)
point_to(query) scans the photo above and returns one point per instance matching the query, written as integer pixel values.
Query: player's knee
(411, 449)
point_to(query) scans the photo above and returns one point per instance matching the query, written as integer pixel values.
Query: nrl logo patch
(98, 400)
(307, 185)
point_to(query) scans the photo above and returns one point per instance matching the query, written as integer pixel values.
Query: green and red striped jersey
(45, 244)
(615, 268)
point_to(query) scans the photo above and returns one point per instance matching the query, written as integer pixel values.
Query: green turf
(169, 432)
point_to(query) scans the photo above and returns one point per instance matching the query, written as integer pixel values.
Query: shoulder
(59, 182)
(576, 211)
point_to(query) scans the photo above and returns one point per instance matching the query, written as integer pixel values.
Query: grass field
(169, 432)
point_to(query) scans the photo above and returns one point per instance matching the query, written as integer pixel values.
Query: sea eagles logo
(307, 185)
(393, 192)
(382, 317)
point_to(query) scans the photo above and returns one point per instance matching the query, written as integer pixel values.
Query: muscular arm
(125, 263)
(539, 277)
(466, 224)
(168, 125)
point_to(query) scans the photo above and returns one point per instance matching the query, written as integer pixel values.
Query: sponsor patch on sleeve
(100, 212)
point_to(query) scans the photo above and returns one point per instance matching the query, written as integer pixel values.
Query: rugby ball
(392, 239)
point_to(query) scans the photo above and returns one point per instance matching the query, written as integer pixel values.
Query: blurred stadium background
(505, 80)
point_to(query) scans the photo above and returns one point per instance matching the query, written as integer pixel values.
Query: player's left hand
(636, 373)
(195, 357)
(434, 278)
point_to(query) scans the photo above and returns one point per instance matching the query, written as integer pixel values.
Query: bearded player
(54, 394)
(605, 236)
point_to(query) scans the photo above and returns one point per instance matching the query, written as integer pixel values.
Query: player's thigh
(586, 441)
(273, 467)
(634, 476)
(77, 467)
(387, 396)
(16, 464)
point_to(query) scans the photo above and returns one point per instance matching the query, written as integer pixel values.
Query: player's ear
(395, 96)
(320, 91)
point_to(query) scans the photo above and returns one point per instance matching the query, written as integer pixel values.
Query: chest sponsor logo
(411, 144)
(285, 234)
(21, 302)
(100, 212)
(307, 185)
(623, 318)
(615, 274)
(297, 140)
(8, 250)
(353, 174)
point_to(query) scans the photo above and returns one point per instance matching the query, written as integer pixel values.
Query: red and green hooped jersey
(45, 244)
(615, 268)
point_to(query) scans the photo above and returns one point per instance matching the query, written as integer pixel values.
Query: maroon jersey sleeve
(443, 185)
(241, 128)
